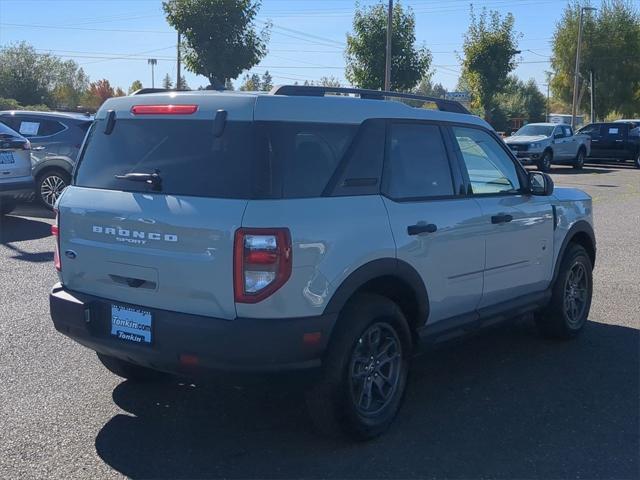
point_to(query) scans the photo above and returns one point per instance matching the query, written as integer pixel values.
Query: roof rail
(142, 91)
(320, 91)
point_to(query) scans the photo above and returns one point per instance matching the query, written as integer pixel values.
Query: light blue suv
(310, 228)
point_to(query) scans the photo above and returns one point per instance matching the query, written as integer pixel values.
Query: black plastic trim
(383, 267)
(581, 226)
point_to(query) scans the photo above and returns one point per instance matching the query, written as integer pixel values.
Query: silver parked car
(55, 141)
(545, 143)
(298, 230)
(15, 168)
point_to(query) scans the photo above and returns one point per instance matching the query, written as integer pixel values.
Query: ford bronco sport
(307, 230)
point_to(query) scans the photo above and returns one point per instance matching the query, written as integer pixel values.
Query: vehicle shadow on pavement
(504, 404)
(19, 229)
(572, 171)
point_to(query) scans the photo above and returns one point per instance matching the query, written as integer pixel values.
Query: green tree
(251, 83)
(184, 86)
(522, 100)
(135, 86)
(329, 82)
(366, 46)
(32, 78)
(229, 85)
(266, 82)
(220, 36)
(489, 56)
(166, 82)
(610, 46)
(430, 89)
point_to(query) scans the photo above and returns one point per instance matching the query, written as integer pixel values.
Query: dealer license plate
(131, 324)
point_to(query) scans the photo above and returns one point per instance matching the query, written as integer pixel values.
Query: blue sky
(307, 40)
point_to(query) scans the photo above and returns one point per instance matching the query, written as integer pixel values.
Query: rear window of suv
(249, 160)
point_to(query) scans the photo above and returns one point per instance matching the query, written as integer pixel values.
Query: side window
(567, 131)
(590, 130)
(490, 168)
(12, 122)
(558, 133)
(49, 127)
(29, 127)
(614, 131)
(360, 171)
(417, 165)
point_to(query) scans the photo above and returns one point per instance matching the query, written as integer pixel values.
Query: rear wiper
(152, 179)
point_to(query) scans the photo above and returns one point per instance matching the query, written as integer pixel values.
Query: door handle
(618, 140)
(421, 228)
(501, 218)
(38, 148)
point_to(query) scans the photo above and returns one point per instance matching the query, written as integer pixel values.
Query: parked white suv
(303, 230)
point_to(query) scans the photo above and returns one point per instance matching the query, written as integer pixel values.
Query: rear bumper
(184, 343)
(14, 187)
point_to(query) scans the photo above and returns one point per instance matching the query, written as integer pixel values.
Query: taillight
(164, 109)
(55, 231)
(262, 262)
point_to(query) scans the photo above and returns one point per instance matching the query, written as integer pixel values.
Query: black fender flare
(382, 267)
(581, 226)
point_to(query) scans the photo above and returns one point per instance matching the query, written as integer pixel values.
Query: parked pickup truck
(618, 141)
(544, 143)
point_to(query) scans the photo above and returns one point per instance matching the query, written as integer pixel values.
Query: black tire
(636, 162)
(336, 403)
(578, 163)
(7, 205)
(544, 163)
(128, 370)
(567, 313)
(49, 186)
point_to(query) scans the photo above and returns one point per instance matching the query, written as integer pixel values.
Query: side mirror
(540, 184)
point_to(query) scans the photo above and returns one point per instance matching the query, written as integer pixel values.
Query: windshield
(535, 130)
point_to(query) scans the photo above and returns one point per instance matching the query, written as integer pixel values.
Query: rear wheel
(544, 164)
(570, 303)
(636, 162)
(365, 371)
(579, 161)
(129, 370)
(7, 205)
(49, 186)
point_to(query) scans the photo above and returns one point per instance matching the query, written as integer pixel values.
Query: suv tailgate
(161, 251)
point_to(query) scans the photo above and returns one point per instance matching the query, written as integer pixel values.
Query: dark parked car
(55, 140)
(15, 168)
(618, 141)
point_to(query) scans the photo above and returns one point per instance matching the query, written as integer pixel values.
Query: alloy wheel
(575, 295)
(51, 188)
(375, 369)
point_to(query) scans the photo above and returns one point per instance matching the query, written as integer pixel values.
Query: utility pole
(547, 116)
(593, 88)
(387, 69)
(178, 65)
(574, 104)
(153, 62)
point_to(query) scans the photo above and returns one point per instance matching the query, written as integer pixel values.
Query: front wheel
(365, 373)
(579, 161)
(544, 164)
(50, 185)
(570, 303)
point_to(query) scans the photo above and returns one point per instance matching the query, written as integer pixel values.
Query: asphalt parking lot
(503, 404)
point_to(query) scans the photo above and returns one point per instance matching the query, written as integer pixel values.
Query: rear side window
(303, 157)
(189, 159)
(417, 165)
(614, 131)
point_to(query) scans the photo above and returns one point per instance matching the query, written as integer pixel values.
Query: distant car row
(542, 144)
(37, 153)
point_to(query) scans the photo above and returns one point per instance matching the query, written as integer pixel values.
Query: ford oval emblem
(70, 254)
